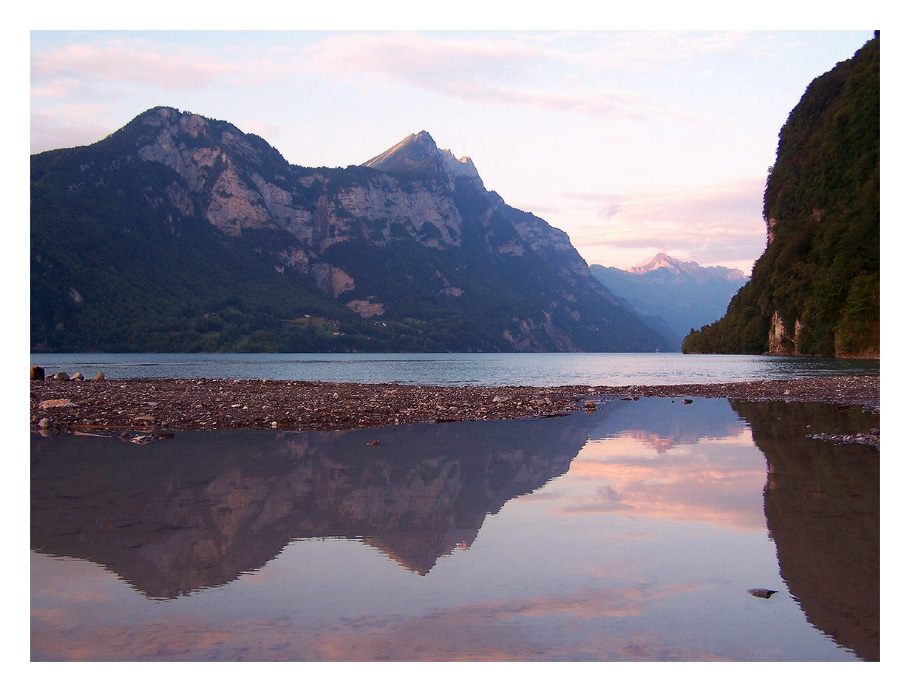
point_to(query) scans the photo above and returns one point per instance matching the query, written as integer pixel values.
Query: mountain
(676, 296)
(815, 289)
(182, 233)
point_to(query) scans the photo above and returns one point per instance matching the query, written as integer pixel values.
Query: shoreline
(168, 405)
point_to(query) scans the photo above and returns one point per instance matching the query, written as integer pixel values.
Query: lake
(632, 533)
(486, 369)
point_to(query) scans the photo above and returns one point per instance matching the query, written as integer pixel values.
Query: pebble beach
(86, 405)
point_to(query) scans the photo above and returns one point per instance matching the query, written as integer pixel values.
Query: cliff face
(815, 289)
(180, 232)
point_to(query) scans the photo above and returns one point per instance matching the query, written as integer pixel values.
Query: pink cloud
(76, 68)
(651, 481)
(484, 70)
(422, 59)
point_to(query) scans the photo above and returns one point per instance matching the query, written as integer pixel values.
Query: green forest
(818, 279)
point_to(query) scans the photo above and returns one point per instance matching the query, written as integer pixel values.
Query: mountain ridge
(675, 296)
(181, 232)
(663, 261)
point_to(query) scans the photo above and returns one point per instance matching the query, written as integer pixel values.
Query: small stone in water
(762, 593)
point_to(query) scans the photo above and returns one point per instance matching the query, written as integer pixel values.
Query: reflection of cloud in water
(491, 630)
(667, 423)
(502, 630)
(717, 482)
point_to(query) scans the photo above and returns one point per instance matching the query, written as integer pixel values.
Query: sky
(635, 132)
(633, 142)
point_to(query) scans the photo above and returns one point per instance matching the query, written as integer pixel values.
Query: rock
(36, 373)
(687, 401)
(62, 376)
(762, 593)
(54, 403)
(99, 377)
(77, 376)
(44, 423)
(374, 443)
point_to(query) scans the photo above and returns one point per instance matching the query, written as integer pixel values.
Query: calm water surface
(486, 369)
(629, 534)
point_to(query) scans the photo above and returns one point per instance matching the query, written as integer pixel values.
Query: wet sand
(217, 404)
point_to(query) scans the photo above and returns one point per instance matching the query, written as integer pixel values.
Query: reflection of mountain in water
(666, 423)
(201, 508)
(822, 507)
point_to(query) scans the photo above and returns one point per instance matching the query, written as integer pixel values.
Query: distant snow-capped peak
(678, 268)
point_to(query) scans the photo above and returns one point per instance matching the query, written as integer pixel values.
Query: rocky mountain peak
(418, 153)
(463, 167)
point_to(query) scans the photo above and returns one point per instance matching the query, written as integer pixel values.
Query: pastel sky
(632, 142)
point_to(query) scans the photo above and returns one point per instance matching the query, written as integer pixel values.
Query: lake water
(633, 533)
(486, 369)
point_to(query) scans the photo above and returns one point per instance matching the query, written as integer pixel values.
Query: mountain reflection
(822, 508)
(202, 508)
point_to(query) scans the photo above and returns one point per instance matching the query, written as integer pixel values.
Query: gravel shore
(216, 404)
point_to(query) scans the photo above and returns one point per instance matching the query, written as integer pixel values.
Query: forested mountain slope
(815, 289)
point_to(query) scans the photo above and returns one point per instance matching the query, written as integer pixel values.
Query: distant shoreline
(168, 405)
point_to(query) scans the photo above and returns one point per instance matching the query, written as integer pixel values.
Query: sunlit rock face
(822, 508)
